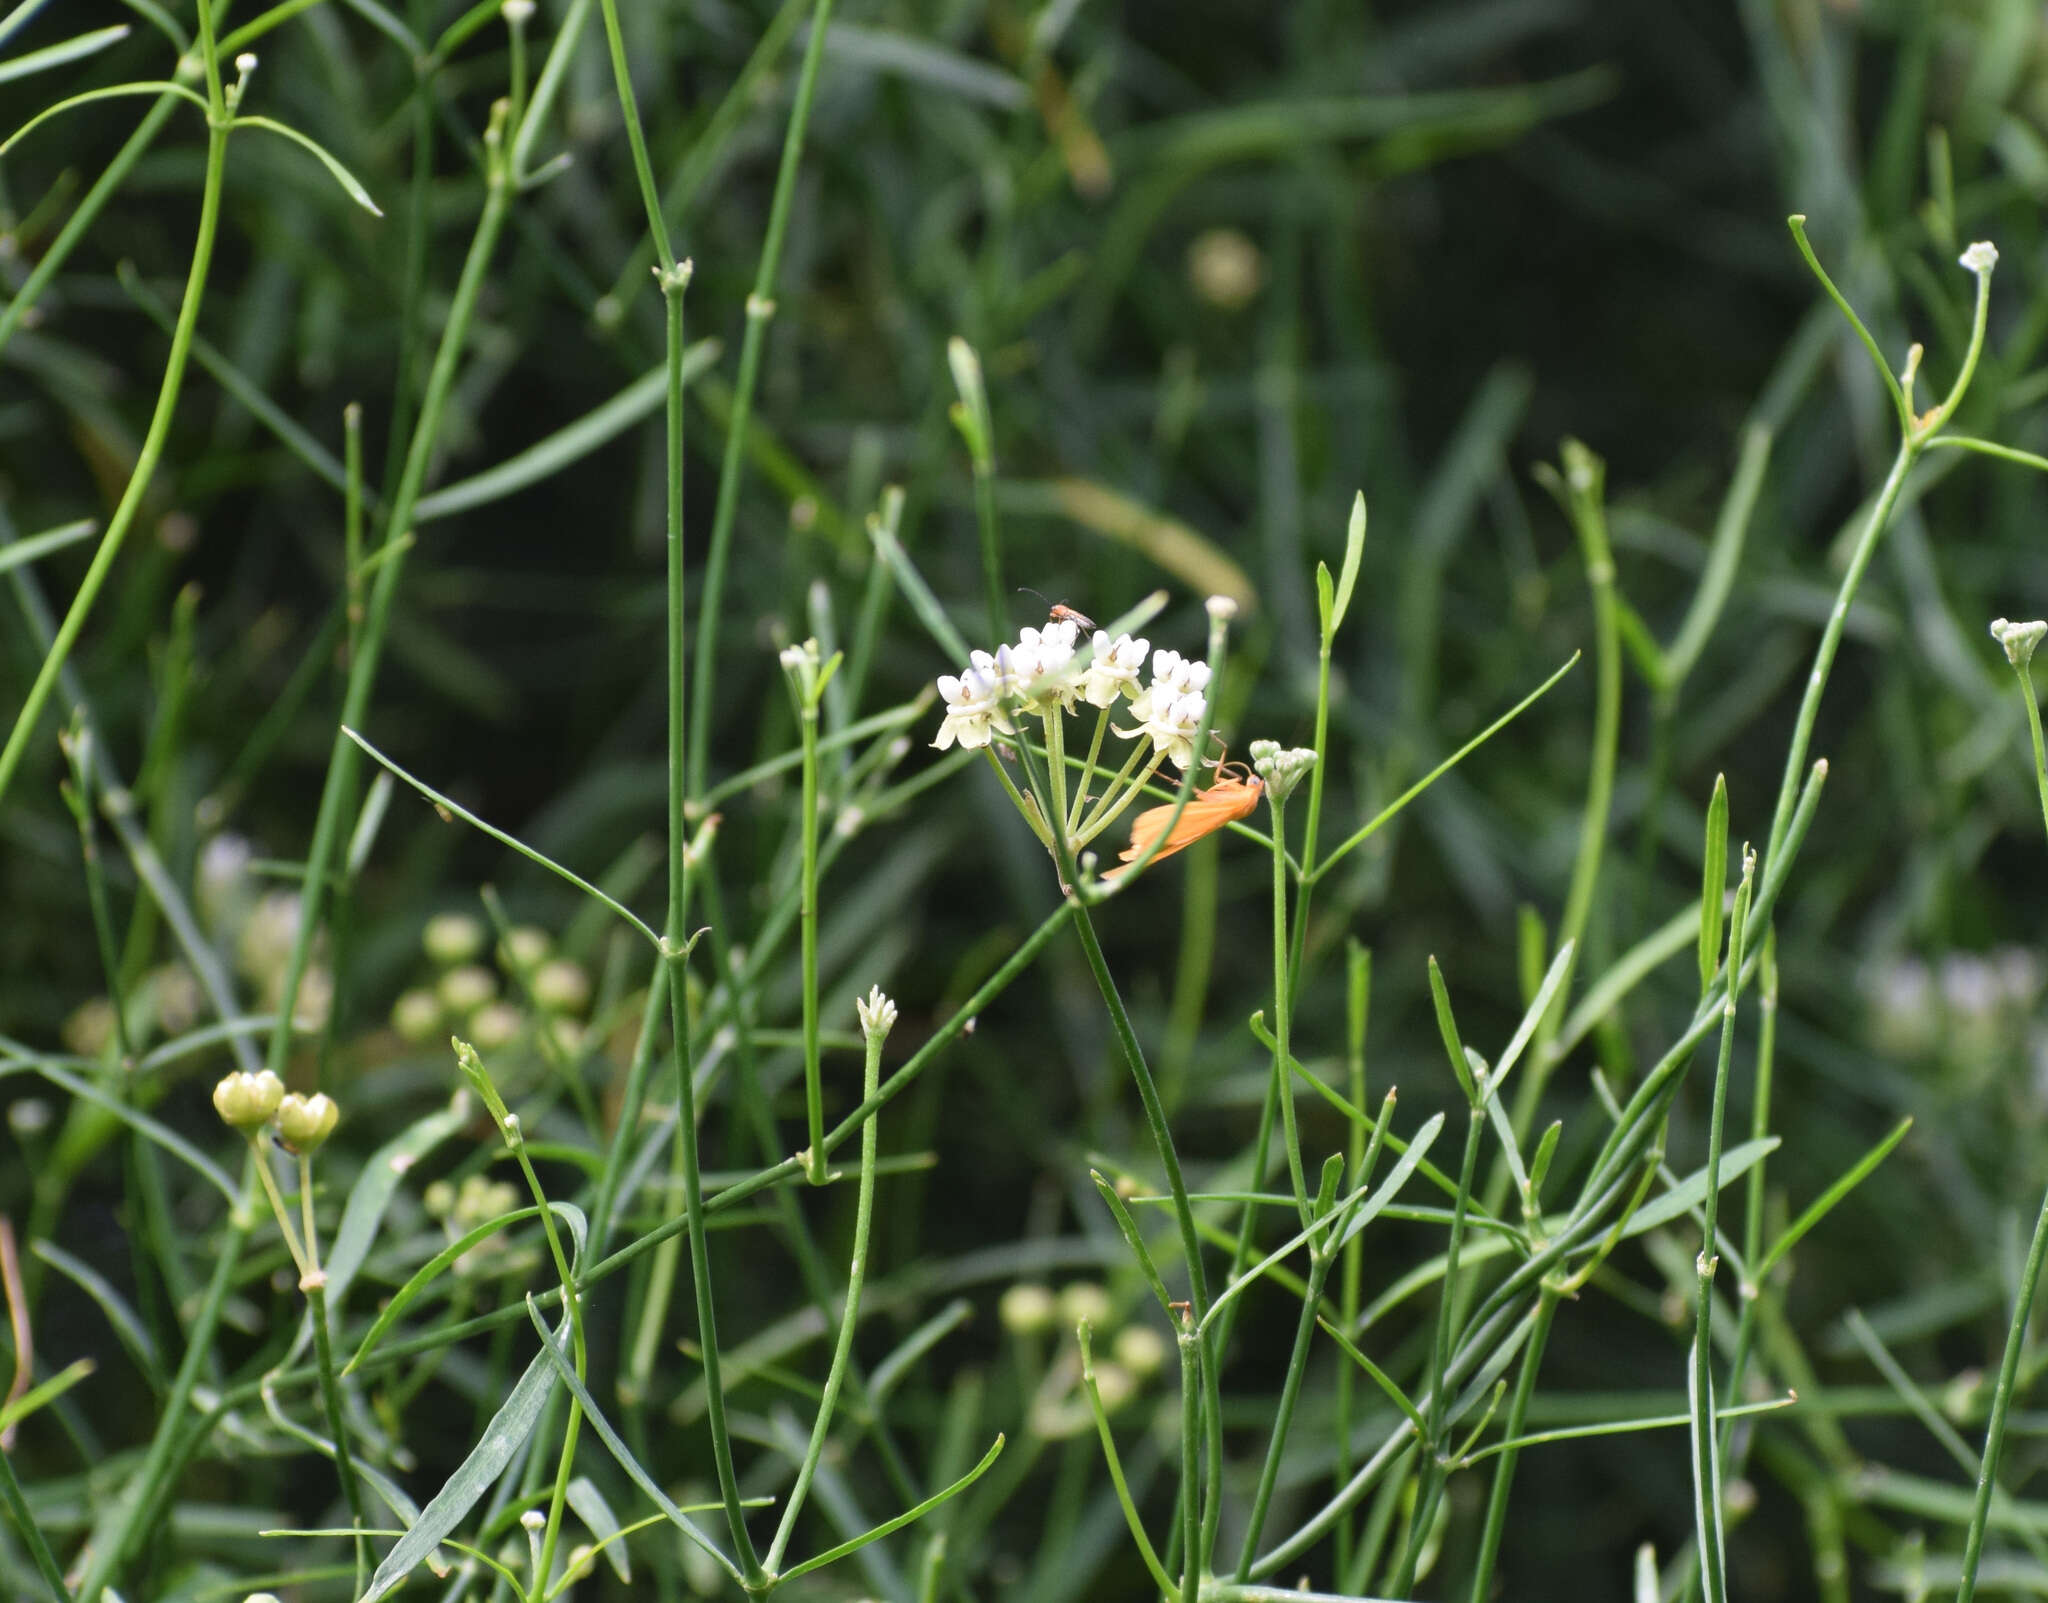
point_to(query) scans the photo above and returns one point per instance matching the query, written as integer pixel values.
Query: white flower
(1980, 257)
(1044, 664)
(877, 1013)
(1221, 608)
(1172, 725)
(1113, 672)
(1173, 676)
(972, 712)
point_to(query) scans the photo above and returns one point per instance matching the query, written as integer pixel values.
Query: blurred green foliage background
(1226, 266)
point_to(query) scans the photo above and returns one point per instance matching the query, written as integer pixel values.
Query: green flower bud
(561, 986)
(452, 937)
(2019, 639)
(1026, 1308)
(247, 1101)
(1084, 1299)
(525, 945)
(305, 1122)
(416, 1016)
(1281, 767)
(463, 990)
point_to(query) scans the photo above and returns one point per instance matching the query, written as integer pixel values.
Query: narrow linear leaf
(373, 1190)
(443, 1260)
(503, 839)
(503, 1437)
(833, 1555)
(1714, 881)
(1690, 1192)
(595, 1512)
(341, 174)
(1380, 1378)
(111, 92)
(552, 1353)
(41, 545)
(638, 400)
(48, 1392)
(127, 1325)
(1354, 553)
(72, 49)
(1825, 1202)
(181, 1149)
(1418, 1144)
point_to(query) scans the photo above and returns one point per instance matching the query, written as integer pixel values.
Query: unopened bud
(247, 1101)
(1281, 767)
(2019, 639)
(877, 1014)
(305, 1122)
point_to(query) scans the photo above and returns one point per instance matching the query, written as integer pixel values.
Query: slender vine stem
(151, 452)
(732, 468)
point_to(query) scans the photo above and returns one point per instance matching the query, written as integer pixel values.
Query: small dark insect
(1059, 611)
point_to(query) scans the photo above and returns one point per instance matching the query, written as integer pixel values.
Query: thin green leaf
(1418, 1144)
(1447, 1027)
(597, 427)
(922, 601)
(111, 92)
(1723, 558)
(1690, 1192)
(504, 839)
(126, 1323)
(342, 175)
(41, 545)
(1387, 813)
(1714, 882)
(439, 1264)
(1136, 1239)
(48, 1392)
(169, 1139)
(1354, 553)
(373, 1190)
(1398, 1397)
(622, 1453)
(1825, 1202)
(833, 1555)
(72, 49)
(595, 1512)
(502, 1438)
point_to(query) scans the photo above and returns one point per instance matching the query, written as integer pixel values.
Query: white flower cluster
(1046, 673)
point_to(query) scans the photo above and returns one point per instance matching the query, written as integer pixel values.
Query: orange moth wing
(1206, 812)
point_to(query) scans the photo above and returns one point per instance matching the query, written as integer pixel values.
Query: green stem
(338, 792)
(1283, 993)
(109, 1546)
(856, 1277)
(1586, 504)
(152, 443)
(814, 1097)
(53, 259)
(1830, 641)
(330, 1396)
(1706, 1467)
(2023, 1304)
(1155, 1112)
(1190, 1472)
(1504, 1471)
(1088, 773)
(31, 1534)
(760, 309)
(1433, 1466)
(1290, 1393)
(676, 954)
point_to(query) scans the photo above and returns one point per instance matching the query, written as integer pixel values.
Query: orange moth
(1232, 797)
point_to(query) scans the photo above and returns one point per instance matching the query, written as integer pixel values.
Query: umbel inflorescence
(1049, 675)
